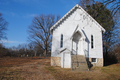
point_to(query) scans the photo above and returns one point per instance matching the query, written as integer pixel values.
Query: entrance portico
(77, 43)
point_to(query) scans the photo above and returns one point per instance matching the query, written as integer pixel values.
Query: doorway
(76, 43)
(66, 60)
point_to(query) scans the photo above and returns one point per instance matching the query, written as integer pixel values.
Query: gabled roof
(64, 50)
(76, 6)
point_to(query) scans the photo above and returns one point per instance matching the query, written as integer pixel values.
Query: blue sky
(19, 15)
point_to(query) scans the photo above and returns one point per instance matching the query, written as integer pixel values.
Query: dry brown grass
(13, 61)
(24, 69)
(40, 69)
(111, 72)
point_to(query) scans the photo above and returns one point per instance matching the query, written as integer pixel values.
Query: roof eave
(64, 16)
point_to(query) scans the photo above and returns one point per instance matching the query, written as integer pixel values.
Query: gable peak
(76, 6)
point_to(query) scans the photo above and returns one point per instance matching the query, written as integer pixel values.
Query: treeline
(22, 50)
(113, 55)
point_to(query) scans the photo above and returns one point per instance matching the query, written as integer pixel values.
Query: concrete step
(80, 68)
(78, 59)
(74, 64)
(81, 60)
(79, 63)
(74, 56)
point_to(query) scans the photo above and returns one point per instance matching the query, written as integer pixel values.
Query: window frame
(92, 42)
(92, 60)
(61, 41)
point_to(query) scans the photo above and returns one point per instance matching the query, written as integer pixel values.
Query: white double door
(76, 47)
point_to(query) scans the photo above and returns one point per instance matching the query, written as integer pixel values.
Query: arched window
(61, 42)
(92, 43)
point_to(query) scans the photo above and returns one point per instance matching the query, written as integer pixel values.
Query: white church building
(76, 33)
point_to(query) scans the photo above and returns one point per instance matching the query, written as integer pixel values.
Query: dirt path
(34, 70)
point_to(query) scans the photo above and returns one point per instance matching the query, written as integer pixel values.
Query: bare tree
(84, 3)
(114, 5)
(39, 31)
(3, 50)
(3, 27)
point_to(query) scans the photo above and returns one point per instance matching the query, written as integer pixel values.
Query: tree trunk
(44, 53)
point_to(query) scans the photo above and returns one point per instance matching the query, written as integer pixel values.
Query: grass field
(40, 69)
